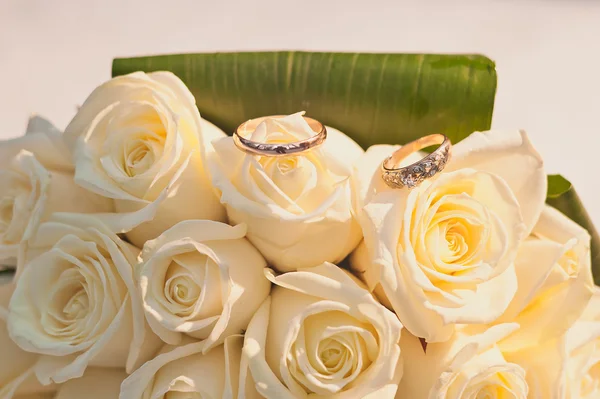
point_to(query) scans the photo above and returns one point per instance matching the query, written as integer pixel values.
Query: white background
(53, 53)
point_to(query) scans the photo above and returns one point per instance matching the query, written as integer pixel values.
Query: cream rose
(567, 367)
(140, 140)
(44, 140)
(36, 180)
(203, 279)
(17, 378)
(468, 366)
(77, 301)
(554, 278)
(322, 335)
(188, 371)
(442, 254)
(298, 208)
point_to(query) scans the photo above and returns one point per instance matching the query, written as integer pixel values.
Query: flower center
(77, 306)
(181, 289)
(292, 175)
(569, 262)
(141, 151)
(68, 306)
(463, 239)
(287, 164)
(139, 159)
(135, 141)
(498, 385)
(455, 240)
(190, 287)
(7, 205)
(330, 352)
(333, 354)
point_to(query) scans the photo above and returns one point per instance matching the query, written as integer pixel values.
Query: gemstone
(409, 180)
(428, 164)
(418, 169)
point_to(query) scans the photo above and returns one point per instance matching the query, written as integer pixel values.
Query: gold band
(412, 175)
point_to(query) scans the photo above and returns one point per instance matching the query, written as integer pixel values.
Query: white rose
(41, 138)
(77, 301)
(140, 140)
(36, 180)
(188, 372)
(17, 378)
(298, 208)
(203, 279)
(442, 254)
(555, 281)
(322, 335)
(96, 383)
(468, 366)
(567, 367)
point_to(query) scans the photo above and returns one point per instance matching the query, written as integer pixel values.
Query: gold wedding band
(412, 175)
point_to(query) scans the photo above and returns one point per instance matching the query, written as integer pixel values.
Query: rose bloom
(139, 139)
(77, 301)
(203, 279)
(17, 370)
(297, 208)
(36, 180)
(567, 367)
(17, 367)
(468, 366)
(443, 253)
(187, 371)
(321, 334)
(555, 281)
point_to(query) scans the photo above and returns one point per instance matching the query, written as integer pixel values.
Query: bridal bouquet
(154, 256)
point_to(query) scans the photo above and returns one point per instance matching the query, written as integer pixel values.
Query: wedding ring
(412, 175)
(278, 149)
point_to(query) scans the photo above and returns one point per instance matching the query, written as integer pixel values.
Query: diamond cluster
(413, 175)
(279, 149)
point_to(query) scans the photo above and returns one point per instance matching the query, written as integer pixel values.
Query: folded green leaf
(374, 98)
(562, 196)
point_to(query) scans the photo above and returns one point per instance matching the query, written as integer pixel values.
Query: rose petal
(510, 155)
(184, 368)
(451, 369)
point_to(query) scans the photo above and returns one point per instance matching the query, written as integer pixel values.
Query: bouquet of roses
(156, 257)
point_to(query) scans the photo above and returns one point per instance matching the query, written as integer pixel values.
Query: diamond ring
(414, 174)
(278, 149)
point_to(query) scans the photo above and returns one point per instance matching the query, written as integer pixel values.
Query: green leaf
(562, 196)
(374, 98)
